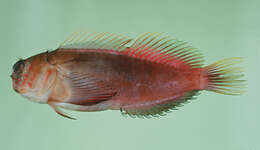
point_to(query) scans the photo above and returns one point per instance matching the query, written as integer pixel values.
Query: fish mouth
(17, 74)
(16, 84)
(16, 90)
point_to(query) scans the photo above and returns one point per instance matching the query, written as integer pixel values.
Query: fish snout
(19, 89)
(16, 90)
(15, 85)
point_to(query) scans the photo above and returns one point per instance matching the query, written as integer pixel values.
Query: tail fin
(224, 77)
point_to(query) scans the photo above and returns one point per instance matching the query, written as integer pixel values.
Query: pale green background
(220, 28)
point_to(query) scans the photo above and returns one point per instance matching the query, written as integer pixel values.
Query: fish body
(148, 78)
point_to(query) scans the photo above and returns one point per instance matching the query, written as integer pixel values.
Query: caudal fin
(225, 78)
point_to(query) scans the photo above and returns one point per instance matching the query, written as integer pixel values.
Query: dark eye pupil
(18, 64)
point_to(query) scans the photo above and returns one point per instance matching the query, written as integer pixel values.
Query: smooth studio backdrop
(219, 28)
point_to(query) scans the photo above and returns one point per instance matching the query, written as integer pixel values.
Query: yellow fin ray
(103, 40)
(225, 78)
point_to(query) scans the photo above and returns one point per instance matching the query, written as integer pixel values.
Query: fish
(147, 77)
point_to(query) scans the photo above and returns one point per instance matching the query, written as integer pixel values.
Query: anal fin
(160, 109)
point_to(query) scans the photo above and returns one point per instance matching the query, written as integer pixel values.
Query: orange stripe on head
(29, 84)
(25, 77)
(33, 74)
(46, 78)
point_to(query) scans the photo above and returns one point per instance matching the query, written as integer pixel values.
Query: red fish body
(149, 78)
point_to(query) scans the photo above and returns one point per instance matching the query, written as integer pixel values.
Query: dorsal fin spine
(190, 52)
(145, 51)
(79, 37)
(175, 53)
(138, 51)
(155, 56)
(165, 54)
(136, 48)
(83, 35)
(150, 49)
(111, 41)
(68, 39)
(180, 57)
(96, 38)
(159, 58)
(89, 36)
(118, 43)
(164, 43)
(146, 45)
(128, 52)
(104, 43)
(123, 43)
(175, 48)
(104, 40)
(72, 37)
(186, 51)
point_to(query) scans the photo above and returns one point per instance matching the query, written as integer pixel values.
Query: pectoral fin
(86, 89)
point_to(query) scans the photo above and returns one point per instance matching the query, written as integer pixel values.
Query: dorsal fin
(149, 46)
(103, 40)
(160, 109)
(157, 48)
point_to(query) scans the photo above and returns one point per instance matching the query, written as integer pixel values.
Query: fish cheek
(59, 91)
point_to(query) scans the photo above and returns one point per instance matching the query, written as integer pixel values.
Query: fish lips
(16, 76)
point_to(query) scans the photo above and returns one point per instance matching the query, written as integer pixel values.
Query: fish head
(33, 78)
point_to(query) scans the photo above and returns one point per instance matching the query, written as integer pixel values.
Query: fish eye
(18, 65)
